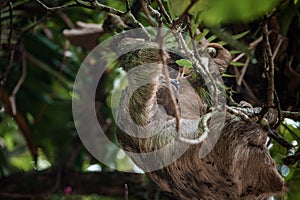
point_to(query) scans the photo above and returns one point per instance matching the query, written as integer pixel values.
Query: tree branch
(292, 115)
(283, 142)
(22, 124)
(153, 12)
(183, 16)
(12, 97)
(269, 68)
(127, 17)
(40, 183)
(290, 160)
(164, 12)
(165, 71)
(76, 4)
(204, 122)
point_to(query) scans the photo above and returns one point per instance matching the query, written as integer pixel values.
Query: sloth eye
(212, 52)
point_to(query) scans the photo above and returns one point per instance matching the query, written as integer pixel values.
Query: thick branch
(290, 160)
(21, 121)
(53, 181)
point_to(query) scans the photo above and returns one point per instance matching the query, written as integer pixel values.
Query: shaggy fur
(238, 167)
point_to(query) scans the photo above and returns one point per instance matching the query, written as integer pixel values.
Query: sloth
(239, 165)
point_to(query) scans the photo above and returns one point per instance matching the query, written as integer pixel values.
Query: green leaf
(228, 75)
(240, 35)
(232, 52)
(286, 17)
(230, 11)
(201, 35)
(211, 38)
(184, 63)
(226, 37)
(237, 64)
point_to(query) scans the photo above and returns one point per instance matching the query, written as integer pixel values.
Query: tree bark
(54, 181)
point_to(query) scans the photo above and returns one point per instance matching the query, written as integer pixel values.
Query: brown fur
(238, 167)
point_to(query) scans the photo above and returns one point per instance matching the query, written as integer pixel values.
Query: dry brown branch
(280, 40)
(290, 160)
(243, 71)
(165, 71)
(283, 142)
(239, 78)
(80, 182)
(164, 12)
(292, 115)
(199, 66)
(126, 192)
(207, 73)
(154, 13)
(127, 16)
(128, 9)
(22, 123)
(147, 14)
(76, 4)
(269, 68)
(177, 23)
(238, 113)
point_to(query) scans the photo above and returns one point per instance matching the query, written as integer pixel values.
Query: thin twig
(277, 48)
(22, 124)
(204, 122)
(182, 17)
(93, 5)
(247, 87)
(290, 160)
(12, 97)
(252, 45)
(128, 9)
(164, 12)
(202, 65)
(101, 7)
(278, 107)
(269, 68)
(292, 115)
(57, 7)
(145, 10)
(127, 17)
(238, 113)
(243, 71)
(165, 71)
(239, 78)
(238, 57)
(126, 192)
(36, 23)
(283, 142)
(154, 13)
